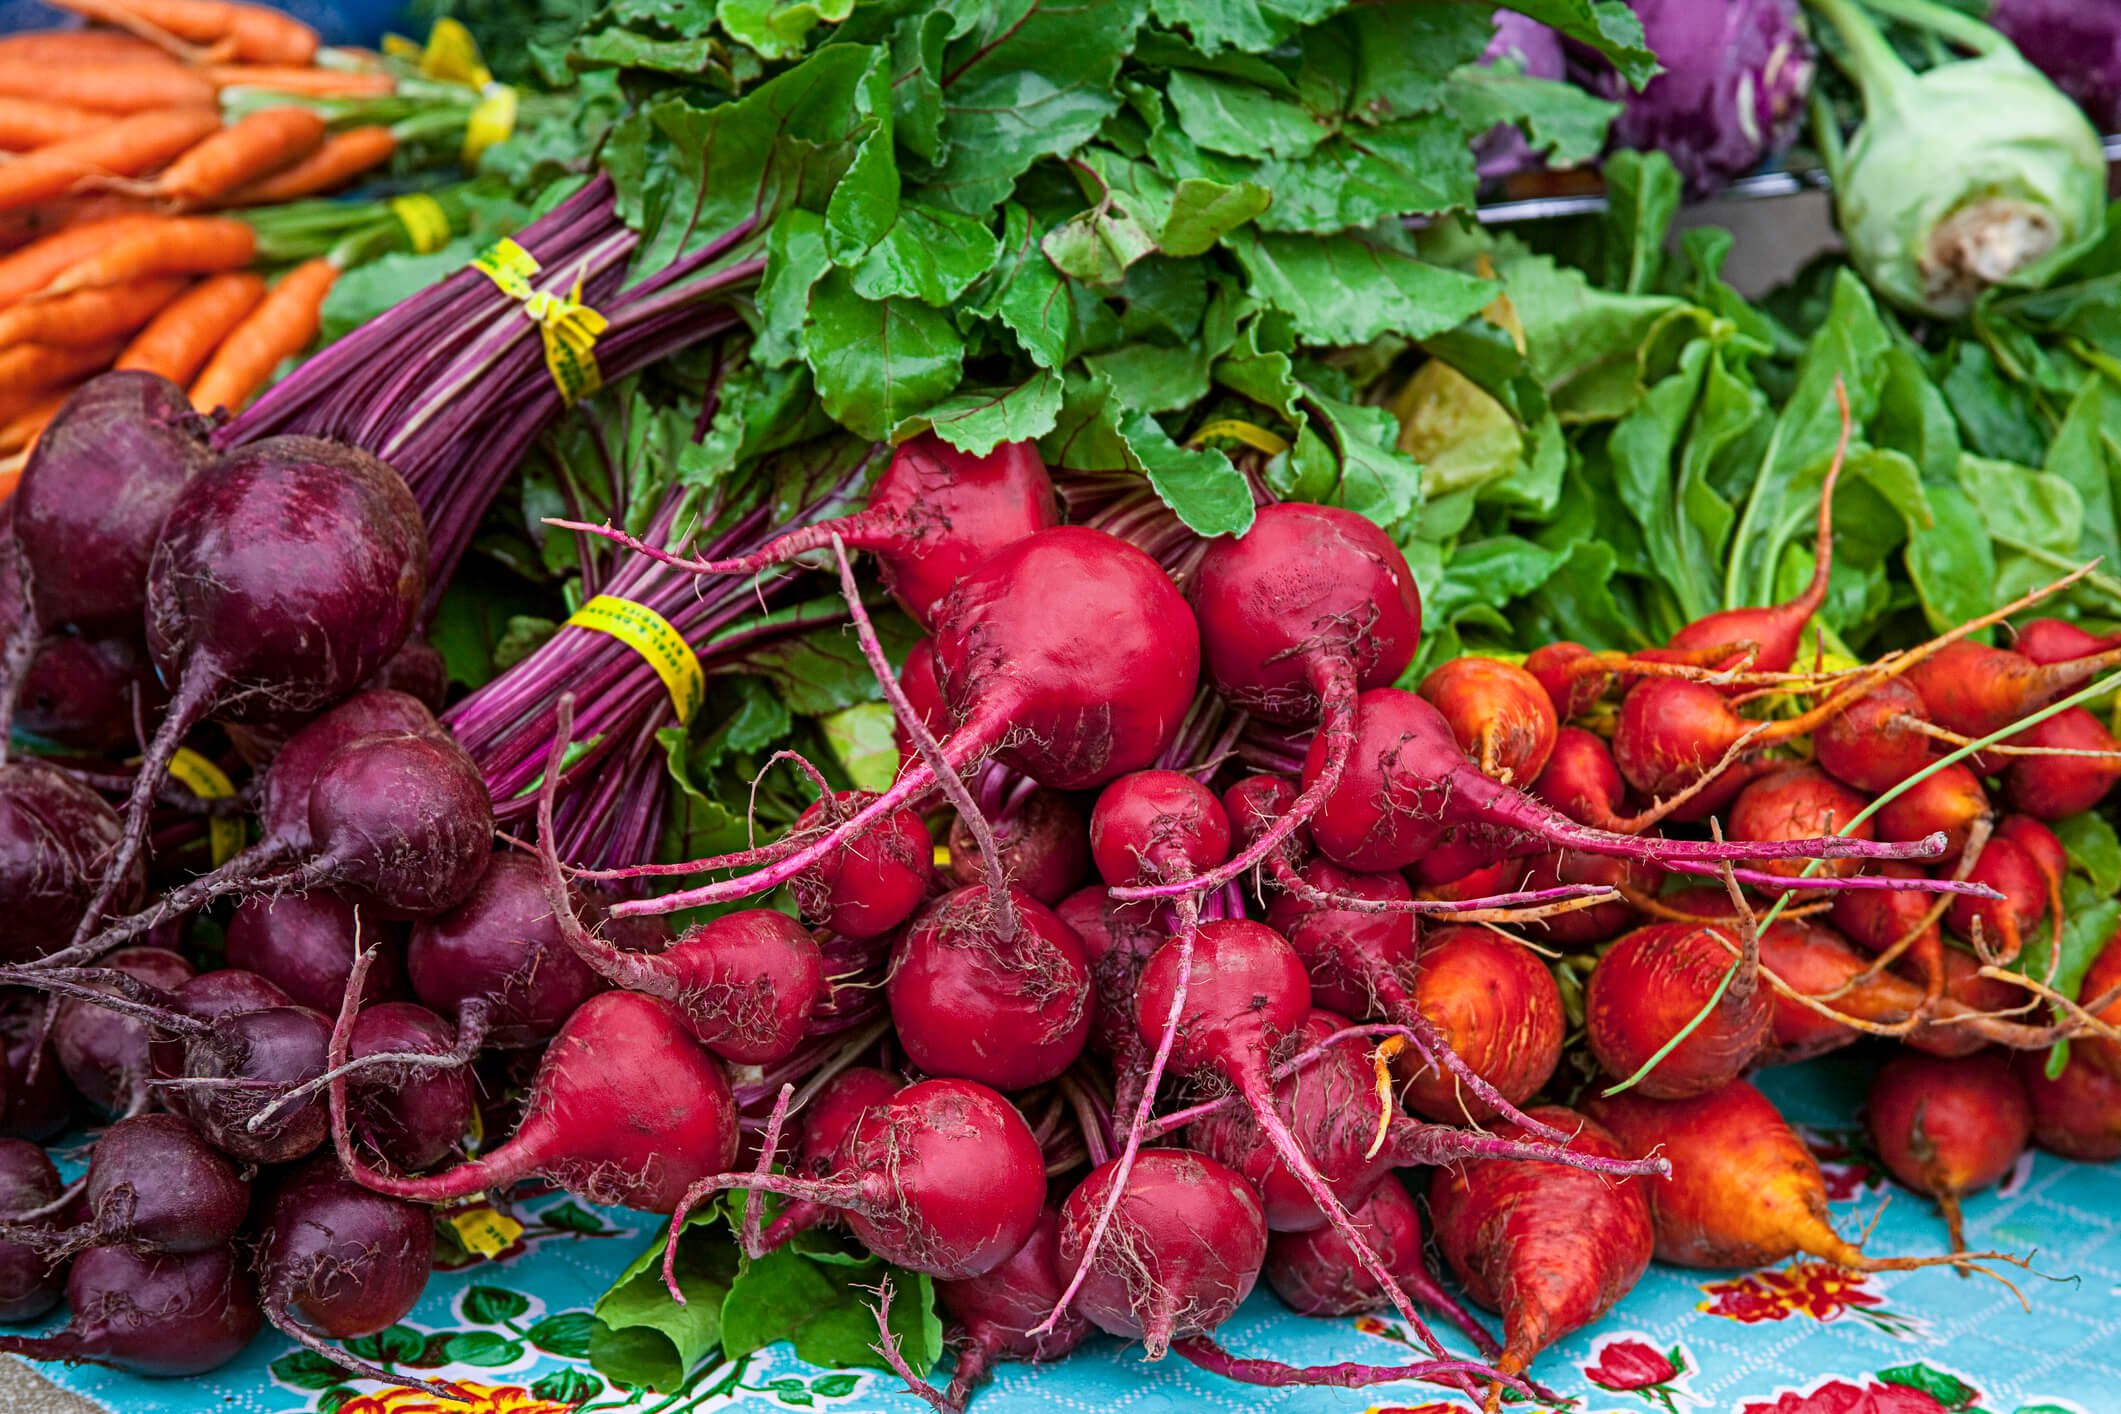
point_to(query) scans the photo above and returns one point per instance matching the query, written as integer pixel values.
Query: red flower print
(1629, 1365)
(1810, 1288)
(1842, 1397)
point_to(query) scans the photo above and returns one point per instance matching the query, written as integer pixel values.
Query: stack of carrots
(114, 154)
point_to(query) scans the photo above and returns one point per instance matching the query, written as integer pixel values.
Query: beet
(1044, 843)
(1344, 949)
(151, 1313)
(304, 944)
(877, 878)
(31, 1280)
(78, 692)
(286, 574)
(1023, 690)
(336, 1261)
(1008, 1010)
(1649, 986)
(1550, 1248)
(501, 951)
(104, 1053)
(36, 1108)
(1499, 713)
(2077, 1114)
(1496, 1006)
(1309, 607)
(265, 1052)
(1949, 1128)
(155, 1184)
(95, 493)
(995, 1311)
(55, 834)
(1185, 1247)
(626, 1108)
(413, 1116)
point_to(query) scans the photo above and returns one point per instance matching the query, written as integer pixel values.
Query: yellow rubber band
(485, 1232)
(568, 327)
(492, 121)
(426, 223)
(652, 636)
(1237, 429)
(224, 837)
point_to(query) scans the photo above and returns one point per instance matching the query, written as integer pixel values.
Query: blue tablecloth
(1800, 1340)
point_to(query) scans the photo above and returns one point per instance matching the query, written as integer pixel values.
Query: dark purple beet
(416, 670)
(336, 1261)
(286, 574)
(41, 1107)
(104, 1053)
(31, 1282)
(304, 944)
(296, 766)
(998, 1310)
(96, 491)
(151, 1313)
(55, 834)
(282, 1046)
(399, 822)
(413, 1117)
(78, 692)
(501, 947)
(156, 1184)
(206, 996)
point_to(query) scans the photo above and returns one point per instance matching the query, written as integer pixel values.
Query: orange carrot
(257, 34)
(182, 245)
(120, 87)
(19, 433)
(279, 328)
(79, 46)
(29, 224)
(34, 266)
(34, 367)
(179, 340)
(254, 147)
(89, 316)
(343, 157)
(27, 123)
(125, 148)
(317, 83)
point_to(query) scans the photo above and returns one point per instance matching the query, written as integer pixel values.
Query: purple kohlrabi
(2077, 43)
(1736, 76)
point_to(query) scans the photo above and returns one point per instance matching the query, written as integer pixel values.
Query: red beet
(304, 943)
(103, 1052)
(995, 1311)
(1009, 1010)
(1185, 1247)
(626, 1108)
(1345, 950)
(501, 951)
(2078, 1113)
(1874, 744)
(1309, 607)
(55, 834)
(1044, 845)
(876, 879)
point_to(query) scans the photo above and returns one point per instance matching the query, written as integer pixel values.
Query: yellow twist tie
(568, 327)
(1238, 430)
(654, 637)
(426, 223)
(224, 836)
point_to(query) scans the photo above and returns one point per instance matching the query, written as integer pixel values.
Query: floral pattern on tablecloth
(1798, 1339)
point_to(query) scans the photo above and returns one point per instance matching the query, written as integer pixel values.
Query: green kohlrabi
(1975, 173)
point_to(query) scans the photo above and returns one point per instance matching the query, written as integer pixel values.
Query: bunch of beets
(1232, 945)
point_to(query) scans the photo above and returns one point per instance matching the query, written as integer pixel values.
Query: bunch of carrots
(115, 157)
